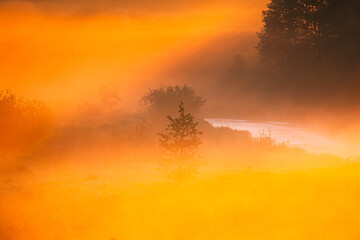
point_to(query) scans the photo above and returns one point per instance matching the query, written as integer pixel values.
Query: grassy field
(123, 199)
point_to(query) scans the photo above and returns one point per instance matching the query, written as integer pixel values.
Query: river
(290, 134)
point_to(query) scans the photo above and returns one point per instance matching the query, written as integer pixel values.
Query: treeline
(309, 59)
(30, 131)
(311, 32)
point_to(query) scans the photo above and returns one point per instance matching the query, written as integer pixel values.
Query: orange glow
(44, 54)
(79, 159)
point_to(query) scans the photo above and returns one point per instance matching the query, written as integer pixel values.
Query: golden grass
(120, 199)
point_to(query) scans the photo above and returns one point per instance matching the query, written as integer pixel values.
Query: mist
(179, 119)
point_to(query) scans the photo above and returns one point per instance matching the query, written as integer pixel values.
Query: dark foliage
(309, 61)
(310, 32)
(164, 100)
(181, 139)
(179, 144)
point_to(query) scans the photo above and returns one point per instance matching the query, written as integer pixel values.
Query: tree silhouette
(310, 31)
(180, 143)
(182, 137)
(164, 100)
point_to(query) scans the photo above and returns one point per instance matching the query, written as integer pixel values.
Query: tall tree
(310, 31)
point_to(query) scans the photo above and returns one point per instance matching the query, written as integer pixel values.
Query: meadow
(240, 196)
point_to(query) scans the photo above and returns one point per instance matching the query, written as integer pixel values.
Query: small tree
(180, 143)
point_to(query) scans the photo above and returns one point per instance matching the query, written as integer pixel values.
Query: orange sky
(64, 51)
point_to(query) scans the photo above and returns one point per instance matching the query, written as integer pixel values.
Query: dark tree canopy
(164, 100)
(310, 31)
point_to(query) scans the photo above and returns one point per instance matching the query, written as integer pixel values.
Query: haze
(179, 119)
(51, 49)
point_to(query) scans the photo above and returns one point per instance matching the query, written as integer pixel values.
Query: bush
(23, 123)
(164, 100)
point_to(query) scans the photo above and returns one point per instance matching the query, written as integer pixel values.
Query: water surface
(283, 132)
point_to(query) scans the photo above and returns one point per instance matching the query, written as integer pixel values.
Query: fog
(59, 52)
(179, 119)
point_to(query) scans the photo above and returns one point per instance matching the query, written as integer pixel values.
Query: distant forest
(311, 32)
(309, 57)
